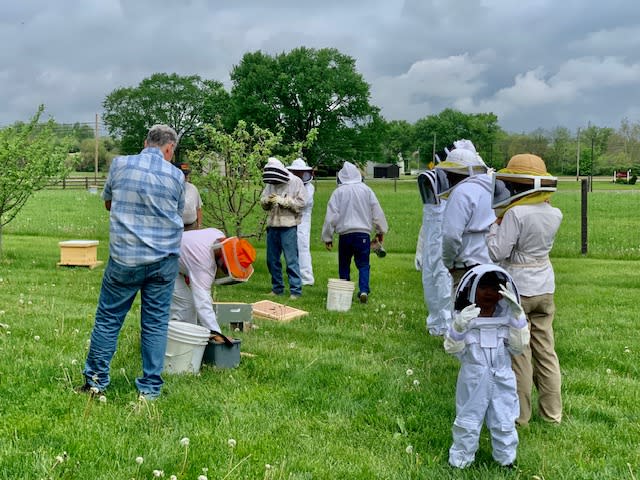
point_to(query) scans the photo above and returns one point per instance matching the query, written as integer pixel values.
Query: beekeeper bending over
(488, 323)
(207, 257)
(521, 240)
(468, 213)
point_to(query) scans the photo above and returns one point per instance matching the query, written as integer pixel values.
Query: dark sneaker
(364, 297)
(86, 388)
(273, 294)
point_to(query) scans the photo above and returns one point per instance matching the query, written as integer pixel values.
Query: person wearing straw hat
(207, 257)
(305, 173)
(520, 240)
(283, 198)
(468, 213)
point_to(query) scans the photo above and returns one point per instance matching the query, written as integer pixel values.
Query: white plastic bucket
(185, 347)
(339, 294)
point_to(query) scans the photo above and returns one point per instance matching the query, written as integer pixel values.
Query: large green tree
(307, 89)
(185, 103)
(31, 155)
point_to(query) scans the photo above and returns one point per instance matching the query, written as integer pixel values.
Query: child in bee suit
(488, 324)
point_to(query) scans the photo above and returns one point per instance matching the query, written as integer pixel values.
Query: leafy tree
(31, 155)
(106, 152)
(182, 102)
(450, 125)
(227, 169)
(309, 89)
(399, 139)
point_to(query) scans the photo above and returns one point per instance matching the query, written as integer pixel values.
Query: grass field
(365, 394)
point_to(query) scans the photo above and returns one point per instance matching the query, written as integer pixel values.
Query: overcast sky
(534, 63)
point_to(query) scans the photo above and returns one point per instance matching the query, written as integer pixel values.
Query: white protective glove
(518, 339)
(462, 319)
(284, 202)
(510, 297)
(453, 346)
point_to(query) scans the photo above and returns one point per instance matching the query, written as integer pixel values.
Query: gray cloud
(534, 64)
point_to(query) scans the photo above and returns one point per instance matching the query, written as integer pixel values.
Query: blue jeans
(358, 246)
(120, 284)
(283, 240)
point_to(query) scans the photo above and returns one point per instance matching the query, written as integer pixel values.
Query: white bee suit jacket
(436, 281)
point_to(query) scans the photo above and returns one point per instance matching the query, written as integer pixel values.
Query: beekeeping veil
(524, 181)
(479, 275)
(430, 184)
(462, 162)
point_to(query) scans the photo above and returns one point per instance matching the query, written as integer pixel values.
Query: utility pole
(578, 158)
(95, 170)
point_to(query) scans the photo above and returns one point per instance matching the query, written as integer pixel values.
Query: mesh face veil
(509, 187)
(430, 184)
(466, 291)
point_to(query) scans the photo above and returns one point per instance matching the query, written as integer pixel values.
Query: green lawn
(365, 394)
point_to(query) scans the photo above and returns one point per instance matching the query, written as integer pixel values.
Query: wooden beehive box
(82, 253)
(276, 311)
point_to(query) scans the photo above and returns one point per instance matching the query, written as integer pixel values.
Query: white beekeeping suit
(436, 281)
(305, 172)
(482, 339)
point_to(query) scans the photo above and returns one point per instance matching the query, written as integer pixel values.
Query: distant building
(386, 170)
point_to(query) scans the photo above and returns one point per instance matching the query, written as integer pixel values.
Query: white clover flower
(403, 316)
(173, 477)
(29, 302)
(390, 312)
(102, 399)
(267, 466)
(59, 459)
(1, 312)
(74, 362)
(205, 470)
(202, 477)
(94, 390)
(184, 441)
(36, 338)
(76, 331)
(21, 301)
(53, 284)
(158, 473)
(416, 382)
(409, 372)
(409, 449)
(232, 443)
(139, 460)
(627, 350)
(608, 371)
(382, 305)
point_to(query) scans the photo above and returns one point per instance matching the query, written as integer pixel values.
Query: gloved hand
(462, 319)
(510, 297)
(453, 346)
(519, 338)
(284, 202)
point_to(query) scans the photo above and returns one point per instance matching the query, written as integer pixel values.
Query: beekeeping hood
(430, 184)
(466, 291)
(524, 181)
(462, 162)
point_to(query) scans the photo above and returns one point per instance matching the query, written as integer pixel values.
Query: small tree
(228, 173)
(30, 155)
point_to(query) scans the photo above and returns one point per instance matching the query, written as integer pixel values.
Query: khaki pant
(538, 364)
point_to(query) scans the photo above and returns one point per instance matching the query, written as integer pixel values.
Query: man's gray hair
(160, 135)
